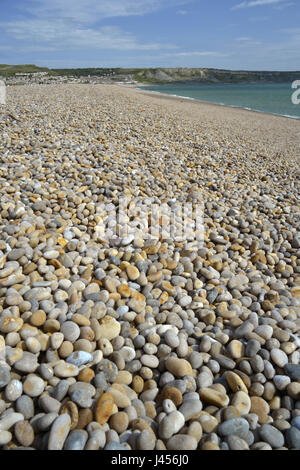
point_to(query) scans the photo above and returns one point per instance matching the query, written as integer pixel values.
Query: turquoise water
(275, 98)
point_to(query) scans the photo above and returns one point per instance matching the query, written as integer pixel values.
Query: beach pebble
(236, 426)
(76, 440)
(178, 367)
(5, 437)
(33, 385)
(271, 435)
(59, 432)
(279, 357)
(182, 442)
(171, 424)
(24, 433)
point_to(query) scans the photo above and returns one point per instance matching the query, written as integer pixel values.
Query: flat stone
(241, 401)
(64, 370)
(191, 409)
(279, 357)
(213, 397)
(271, 435)
(109, 328)
(76, 440)
(261, 408)
(115, 446)
(293, 438)
(182, 442)
(236, 443)
(59, 432)
(24, 433)
(178, 367)
(79, 358)
(236, 426)
(5, 437)
(171, 424)
(28, 363)
(104, 408)
(70, 330)
(293, 371)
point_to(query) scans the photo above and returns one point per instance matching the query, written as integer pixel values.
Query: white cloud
(256, 3)
(196, 54)
(59, 25)
(284, 5)
(45, 35)
(91, 11)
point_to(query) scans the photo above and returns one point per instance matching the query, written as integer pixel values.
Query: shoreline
(139, 87)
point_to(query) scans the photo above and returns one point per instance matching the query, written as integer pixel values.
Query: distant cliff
(165, 75)
(156, 75)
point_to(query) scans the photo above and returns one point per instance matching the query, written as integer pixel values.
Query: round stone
(236, 426)
(27, 364)
(260, 408)
(271, 435)
(33, 386)
(182, 442)
(171, 424)
(119, 422)
(279, 357)
(241, 402)
(70, 330)
(149, 360)
(25, 406)
(191, 409)
(13, 390)
(24, 433)
(76, 440)
(178, 367)
(145, 441)
(109, 328)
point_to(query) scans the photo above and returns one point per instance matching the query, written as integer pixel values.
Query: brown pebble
(65, 349)
(24, 433)
(104, 408)
(38, 318)
(119, 422)
(261, 408)
(85, 416)
(173, 394)
(138, 384)
(86, 375)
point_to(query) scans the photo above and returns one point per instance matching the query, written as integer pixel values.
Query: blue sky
(232, 34)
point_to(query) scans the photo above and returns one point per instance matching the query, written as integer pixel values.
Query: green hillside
(159, 75)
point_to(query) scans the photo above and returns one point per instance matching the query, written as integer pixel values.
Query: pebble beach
(132, 343)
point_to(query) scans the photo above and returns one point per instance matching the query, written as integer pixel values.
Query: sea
(274, 98)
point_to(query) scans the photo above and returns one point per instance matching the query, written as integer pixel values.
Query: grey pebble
(235, 426)
(115, 446)
(271, 435)
(25, 405)
(293, 438)
(76, 440)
